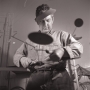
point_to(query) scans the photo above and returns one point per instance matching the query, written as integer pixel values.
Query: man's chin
(45, 31)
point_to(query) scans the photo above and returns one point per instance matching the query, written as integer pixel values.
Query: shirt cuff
(69, 51)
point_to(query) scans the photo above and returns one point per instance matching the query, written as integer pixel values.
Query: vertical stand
(76, 75)
(4, 29)
(70, 71)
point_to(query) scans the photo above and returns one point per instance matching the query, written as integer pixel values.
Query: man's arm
(21, 55)
(71, 48)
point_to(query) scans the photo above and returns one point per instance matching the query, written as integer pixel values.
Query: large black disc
(40, 38)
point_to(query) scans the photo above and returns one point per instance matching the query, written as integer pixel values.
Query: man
(53, 56)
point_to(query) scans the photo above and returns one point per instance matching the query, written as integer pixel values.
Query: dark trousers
(44, 78)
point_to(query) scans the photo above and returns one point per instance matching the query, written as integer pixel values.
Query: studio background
(21, 15)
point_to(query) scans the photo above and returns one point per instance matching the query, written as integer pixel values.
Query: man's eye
(48, 20)
(42, 21)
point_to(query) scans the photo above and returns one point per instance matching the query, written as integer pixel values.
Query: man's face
(45, 25)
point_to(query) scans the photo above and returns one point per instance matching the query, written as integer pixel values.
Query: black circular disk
(78, 22)
(40, 38)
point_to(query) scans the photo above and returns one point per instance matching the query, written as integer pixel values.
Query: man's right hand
(25, 61)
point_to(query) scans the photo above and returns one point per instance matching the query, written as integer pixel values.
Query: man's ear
(36, 21)
(53, 18)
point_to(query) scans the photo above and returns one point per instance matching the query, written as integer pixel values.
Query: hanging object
(77, 38)
(40, 38)
(78, 22)
(25, 3)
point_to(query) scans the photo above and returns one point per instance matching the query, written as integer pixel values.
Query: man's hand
(47, 66)
(25, 61)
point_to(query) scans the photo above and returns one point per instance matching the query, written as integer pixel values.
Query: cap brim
(45, 14)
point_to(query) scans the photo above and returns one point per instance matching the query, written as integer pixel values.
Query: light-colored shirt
(61, 39)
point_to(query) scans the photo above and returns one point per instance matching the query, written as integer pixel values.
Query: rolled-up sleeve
(21, 52)
(73, 47)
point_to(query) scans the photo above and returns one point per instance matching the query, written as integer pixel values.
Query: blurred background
(17, 19)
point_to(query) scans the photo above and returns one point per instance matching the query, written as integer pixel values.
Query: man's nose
(45, 23)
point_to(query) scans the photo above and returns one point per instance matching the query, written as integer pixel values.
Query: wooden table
(17, 70)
